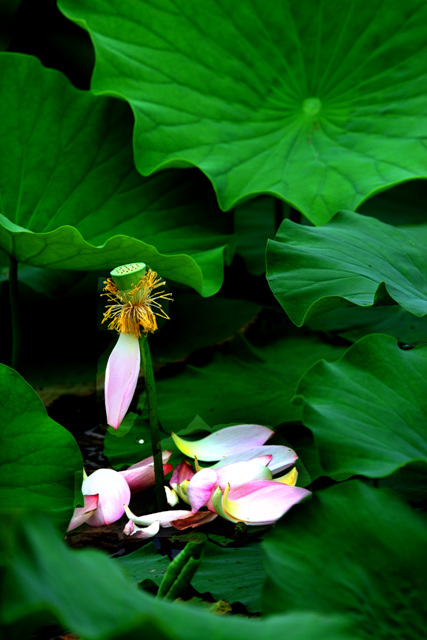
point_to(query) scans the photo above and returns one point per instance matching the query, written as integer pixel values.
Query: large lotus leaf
(235, 575)
(245, 385)
(232, 574)
(40, 462)
(353, 323)
(88, 593)
(321, 105)
(70, 197)
(351, 260)
(352, 549)
(368, 410)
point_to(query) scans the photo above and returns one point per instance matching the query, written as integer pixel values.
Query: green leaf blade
(40, 462)
(367, 411)
(366, 546)
(72, 199)
(352, 259)
(321, 108)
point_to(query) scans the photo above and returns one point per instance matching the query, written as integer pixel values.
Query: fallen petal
(260, 503)
(282, 457)
(171, 497)
(82, 514)
(239, 473)
(194, 520)
(121, 377)
(182, 471)
(165, 518)
(224, 442)
(200, 487)
(140, 476)
(289, 478)
(113, 492)
(147, 532)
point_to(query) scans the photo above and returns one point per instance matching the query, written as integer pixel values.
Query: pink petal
(283, 457)
(164, 517)
(224, 442)
(194, 520)
(121, 377)
(200, 487)
(81, 514)
(261, 502)
(241, 473)
(182, 471)
(113, 492)
(140, 476)
(136, 532)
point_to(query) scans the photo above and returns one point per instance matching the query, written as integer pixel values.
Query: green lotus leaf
(70, 197)
(245, 385)
(40, 462)
(368, 410)
(351, 260)
(356, 550)
(88, 593)
(320, 106)
(353, 323)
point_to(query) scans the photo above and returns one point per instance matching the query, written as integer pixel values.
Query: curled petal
(200, 487)
(282, 457)
(181, 490)
(140, 476)
(204, 483)
(165, 518)
(171, 497)
(194, 520)
(82, 514)
(242, 472)
(289, 478)
(224, 442)
(136, 532)
(121, 377)
(113, 492)
(258, 503)
(182, 471)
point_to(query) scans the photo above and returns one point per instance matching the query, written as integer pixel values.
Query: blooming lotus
(133, 310)
(107, 492)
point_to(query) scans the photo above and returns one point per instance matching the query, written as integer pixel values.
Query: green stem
(156, 445)
(15, 313)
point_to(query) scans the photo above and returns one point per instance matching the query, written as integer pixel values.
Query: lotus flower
(106, 492)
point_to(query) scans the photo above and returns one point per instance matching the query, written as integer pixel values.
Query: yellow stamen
(131, 311)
